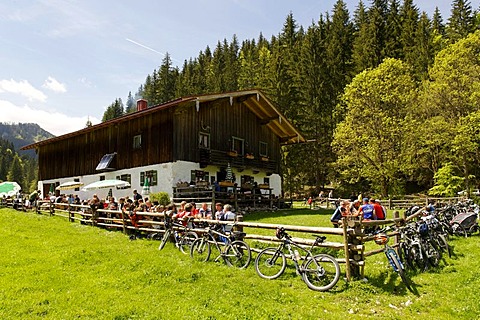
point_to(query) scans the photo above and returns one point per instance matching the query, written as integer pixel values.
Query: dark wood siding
(79, 155)
(223, 121)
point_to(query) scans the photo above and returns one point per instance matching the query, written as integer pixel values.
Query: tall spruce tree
(461, 21)
(393, 47)
(114, 110)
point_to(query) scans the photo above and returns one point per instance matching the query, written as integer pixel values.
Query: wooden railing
(351, 236)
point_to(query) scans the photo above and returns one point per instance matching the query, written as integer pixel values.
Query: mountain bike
(230, 247)
(320, 272)
(183, 236)
(381, 238)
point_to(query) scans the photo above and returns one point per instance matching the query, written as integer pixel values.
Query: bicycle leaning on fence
(381, 238)
(230, 246)
(320, 272)
(183, 236)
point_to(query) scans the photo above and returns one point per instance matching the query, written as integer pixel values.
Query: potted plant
(250, 156)
(232, 153)
(264, 158)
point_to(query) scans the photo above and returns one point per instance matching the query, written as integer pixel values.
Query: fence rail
(352, 242)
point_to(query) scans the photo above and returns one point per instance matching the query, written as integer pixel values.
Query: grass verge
(54, 269)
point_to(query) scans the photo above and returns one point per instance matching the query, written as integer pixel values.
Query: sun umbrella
(106, 184)
(146, 188)
(9, 189)
(69, 185)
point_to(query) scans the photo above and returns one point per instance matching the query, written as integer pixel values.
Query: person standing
(136, 196)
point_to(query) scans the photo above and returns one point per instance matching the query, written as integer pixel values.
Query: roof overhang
(255, 100)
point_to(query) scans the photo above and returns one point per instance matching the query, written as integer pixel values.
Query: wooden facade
(201, 129)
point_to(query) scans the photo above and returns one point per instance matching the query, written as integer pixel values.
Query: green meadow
(54, 269)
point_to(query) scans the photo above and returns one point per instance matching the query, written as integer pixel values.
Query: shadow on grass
(260, 215)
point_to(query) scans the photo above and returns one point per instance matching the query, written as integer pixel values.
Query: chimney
(141, 104)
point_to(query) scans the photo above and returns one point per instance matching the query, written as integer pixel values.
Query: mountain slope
(22, 134)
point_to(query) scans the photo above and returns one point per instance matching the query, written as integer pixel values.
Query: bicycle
(381, 238)
(183, 239)
(234, 251)
(320, 272)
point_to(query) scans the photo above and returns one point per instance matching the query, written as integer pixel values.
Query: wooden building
(202, 139)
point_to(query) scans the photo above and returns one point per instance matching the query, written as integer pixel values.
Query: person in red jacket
(377, 208)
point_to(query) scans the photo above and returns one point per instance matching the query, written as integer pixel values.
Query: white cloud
(53, 122)
(52, 84)
(23, 88)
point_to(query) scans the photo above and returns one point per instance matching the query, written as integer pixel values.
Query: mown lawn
(54, 269)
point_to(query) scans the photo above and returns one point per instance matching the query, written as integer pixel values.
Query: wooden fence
(352, 242)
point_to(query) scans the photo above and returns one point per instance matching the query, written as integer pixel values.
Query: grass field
(54, 269)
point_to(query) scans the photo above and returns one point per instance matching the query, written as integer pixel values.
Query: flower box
(232, 153)
(250, 156)
(264, 159)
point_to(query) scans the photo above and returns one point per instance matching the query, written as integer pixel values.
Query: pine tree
(131, 106)
(409, 21)
(461, 21)
(114, 110)
(166, 79)
(393, 47)
(361, 54)
(15, 172)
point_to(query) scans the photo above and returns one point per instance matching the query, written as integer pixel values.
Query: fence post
(71, 214)
(348, 273)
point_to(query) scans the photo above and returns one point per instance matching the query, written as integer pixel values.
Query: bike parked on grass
(381, 238)
(320, 272)
(182, 235)
(230, 246)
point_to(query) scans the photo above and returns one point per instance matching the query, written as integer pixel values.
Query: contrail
(143, 46)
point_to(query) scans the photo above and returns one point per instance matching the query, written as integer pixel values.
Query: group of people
(371, 209)
(135, 206)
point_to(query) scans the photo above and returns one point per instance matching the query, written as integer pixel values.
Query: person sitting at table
(205, 212)
(218, 211)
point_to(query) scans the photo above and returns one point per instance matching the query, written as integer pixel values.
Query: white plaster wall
(168, 174)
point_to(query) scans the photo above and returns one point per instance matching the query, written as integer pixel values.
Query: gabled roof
(255, 100)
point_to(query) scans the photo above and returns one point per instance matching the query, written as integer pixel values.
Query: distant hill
(22, 134)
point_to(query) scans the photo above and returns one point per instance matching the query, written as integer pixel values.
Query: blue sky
(63, 62)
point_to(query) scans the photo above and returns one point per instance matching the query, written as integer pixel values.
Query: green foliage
(162, 197)
(368, 142)
(447, 183)
(114, 110)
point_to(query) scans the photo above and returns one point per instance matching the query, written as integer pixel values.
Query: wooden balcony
(241, 162)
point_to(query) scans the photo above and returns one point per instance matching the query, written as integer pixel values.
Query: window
(137, 141)
(199, 175)
(266, 180)
(238, 145)
(125, 177)
(105, 162)
(150, 175)
(204, 140)
(76, 180)
(102, 178)
(263, 149)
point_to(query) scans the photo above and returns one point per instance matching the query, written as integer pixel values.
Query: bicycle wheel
(321, 272)
(238, 254)
(200, 250)
(392, 256)
(165, 238)
(420, 257)
(270, 263)
(433, 255)
(407, 255)
(186, 240)
(459, 230)
(445, 247)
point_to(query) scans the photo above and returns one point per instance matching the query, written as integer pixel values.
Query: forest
(388, 97)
